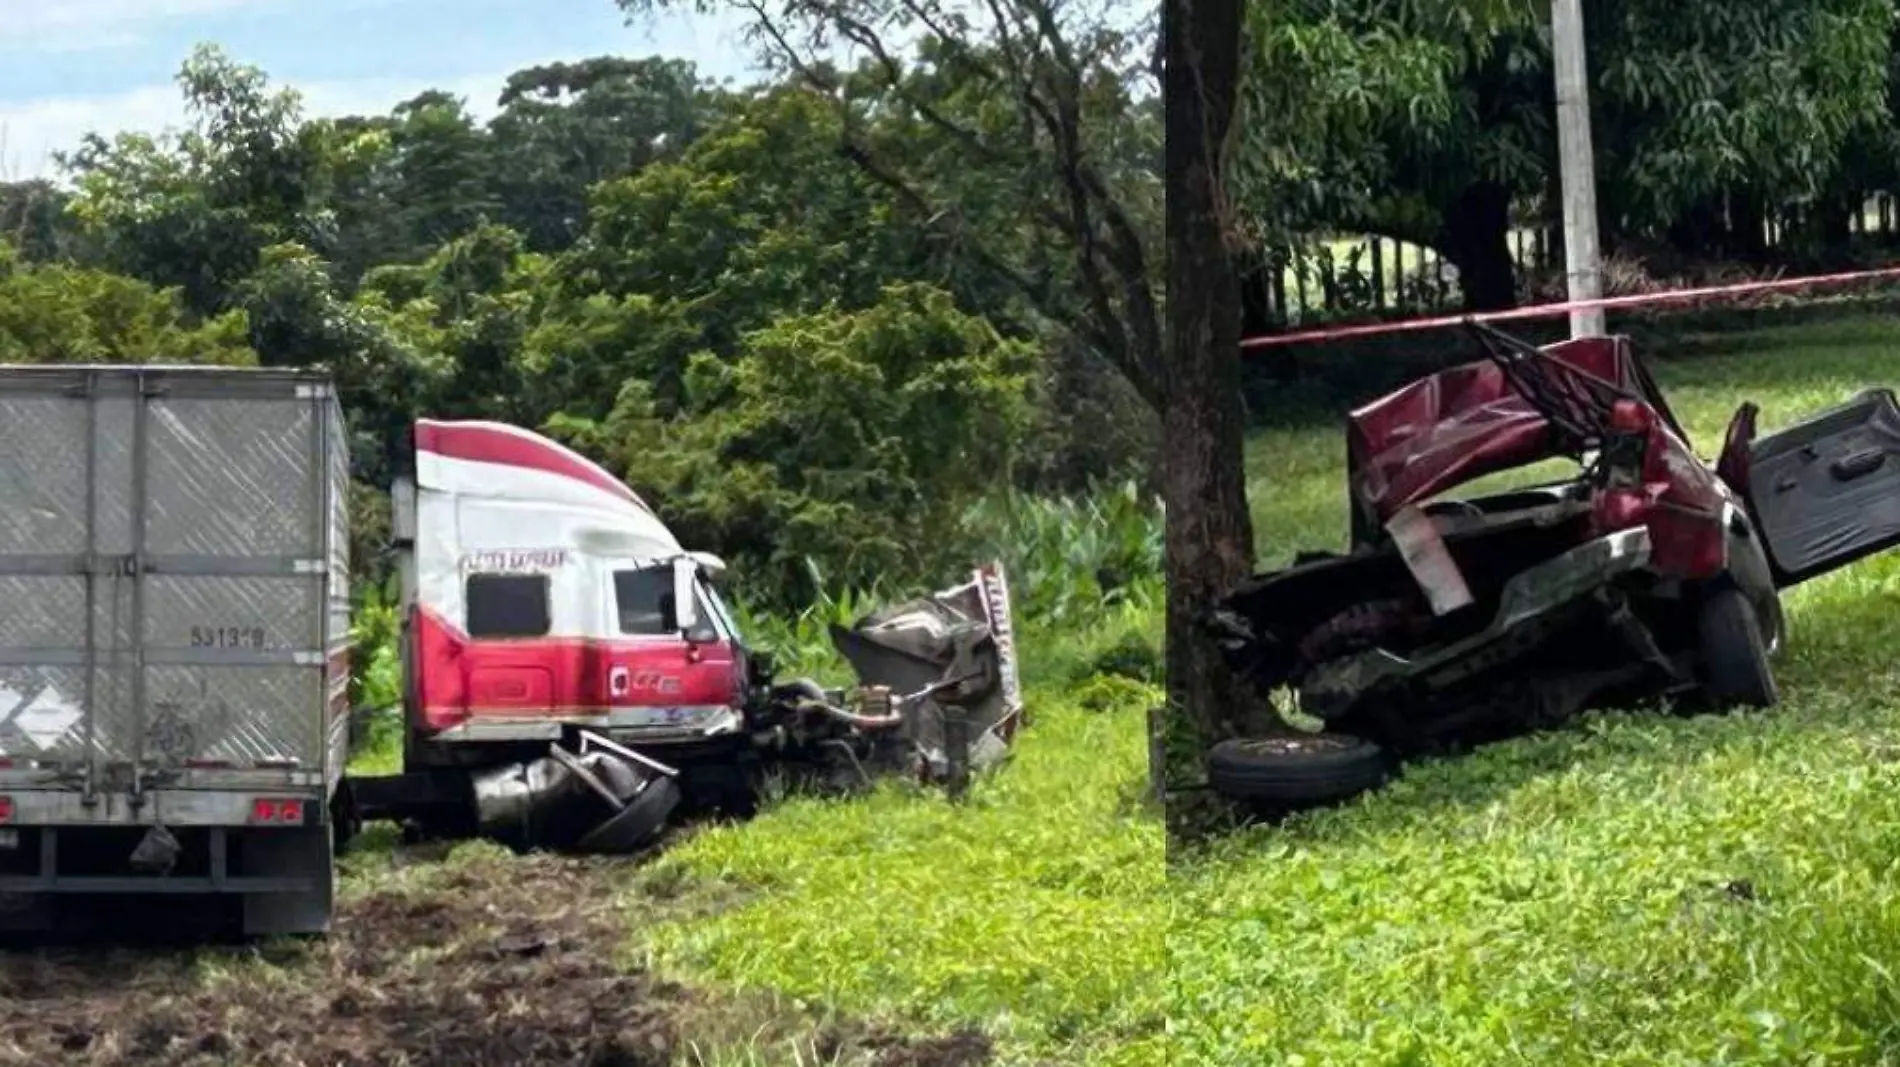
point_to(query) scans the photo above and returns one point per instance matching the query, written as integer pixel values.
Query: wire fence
(1327, 278)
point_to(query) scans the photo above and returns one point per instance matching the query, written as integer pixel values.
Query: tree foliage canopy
(749, 302)
(1386, 118)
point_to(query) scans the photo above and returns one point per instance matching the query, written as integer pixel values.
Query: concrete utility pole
(1582, 262)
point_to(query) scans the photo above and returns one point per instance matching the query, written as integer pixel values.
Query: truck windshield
(643, 599)
(709, 594)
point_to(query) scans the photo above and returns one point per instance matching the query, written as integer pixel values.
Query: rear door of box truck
(174, 619)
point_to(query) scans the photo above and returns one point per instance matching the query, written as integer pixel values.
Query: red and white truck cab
(567, 663)
(542, 595)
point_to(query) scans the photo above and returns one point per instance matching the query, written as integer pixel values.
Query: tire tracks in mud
(509, 962)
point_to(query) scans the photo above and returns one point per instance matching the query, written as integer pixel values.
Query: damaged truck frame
(175, 636)
(1452, 619)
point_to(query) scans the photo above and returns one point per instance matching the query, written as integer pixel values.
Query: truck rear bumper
(169, 807)
(67, 860)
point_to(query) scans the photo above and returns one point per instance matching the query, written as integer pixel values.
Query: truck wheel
(639, 822)
(1296, 769)
(1734, 655)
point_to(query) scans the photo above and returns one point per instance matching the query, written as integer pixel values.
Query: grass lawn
(1640, 889)
(1034, 911)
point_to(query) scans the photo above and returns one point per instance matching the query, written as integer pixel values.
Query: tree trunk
(1209, 539)
(1476, 237)
(1748, 224)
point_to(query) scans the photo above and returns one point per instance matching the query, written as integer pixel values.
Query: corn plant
(1069, 559)
(375, 672)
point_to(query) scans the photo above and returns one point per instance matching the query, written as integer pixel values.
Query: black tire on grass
(1301, 770)
(1734, 654)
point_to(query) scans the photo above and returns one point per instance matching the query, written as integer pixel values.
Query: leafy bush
(1068, 558)
(1134, 657)
(57, 313)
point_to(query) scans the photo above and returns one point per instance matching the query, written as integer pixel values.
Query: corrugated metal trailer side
(174, 628)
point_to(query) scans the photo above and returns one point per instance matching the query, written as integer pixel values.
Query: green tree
(1427, 122)
(58, 313)
(758, 219)
(857, 438)
(566, 127)
(1021, 135)
(441, 163)
(33, 220)
(194, 209)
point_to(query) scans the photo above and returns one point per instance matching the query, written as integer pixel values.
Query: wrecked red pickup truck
(1453, 620)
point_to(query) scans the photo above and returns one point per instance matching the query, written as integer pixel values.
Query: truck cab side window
(643, 599)
(507, 605)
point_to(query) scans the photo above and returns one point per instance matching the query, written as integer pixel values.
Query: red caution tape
(1546, 311)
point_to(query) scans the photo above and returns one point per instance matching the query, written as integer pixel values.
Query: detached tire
(1734, 654)
(1297, 769)
(636, 824)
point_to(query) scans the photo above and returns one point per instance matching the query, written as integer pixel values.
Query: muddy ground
(513, 962)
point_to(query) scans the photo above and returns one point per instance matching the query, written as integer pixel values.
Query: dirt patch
(965, 1048)
(512, 963)
(482, 969)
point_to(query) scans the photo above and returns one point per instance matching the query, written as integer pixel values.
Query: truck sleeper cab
(543, 597)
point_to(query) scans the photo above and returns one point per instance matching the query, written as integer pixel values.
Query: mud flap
(307, 852)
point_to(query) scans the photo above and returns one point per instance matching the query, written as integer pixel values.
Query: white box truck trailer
(174, 636)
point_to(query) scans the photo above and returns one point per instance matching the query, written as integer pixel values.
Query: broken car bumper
(1536, 594)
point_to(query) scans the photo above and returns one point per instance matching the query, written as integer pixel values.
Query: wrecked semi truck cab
(572, 673)
(174, 621)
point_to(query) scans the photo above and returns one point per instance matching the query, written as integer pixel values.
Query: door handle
(1857, 465)
(619, 681)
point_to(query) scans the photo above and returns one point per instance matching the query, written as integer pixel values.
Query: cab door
(1825, 492)
(657, 676)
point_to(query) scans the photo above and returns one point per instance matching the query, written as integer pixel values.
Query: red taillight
(1630, 416)
(1619, 508)
(6, 809)
(277, 811)
(1708, 555)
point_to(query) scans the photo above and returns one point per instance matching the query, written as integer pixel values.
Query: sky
(72, 66)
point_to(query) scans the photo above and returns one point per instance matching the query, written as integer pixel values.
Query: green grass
(1032, 911)
(1640, 889)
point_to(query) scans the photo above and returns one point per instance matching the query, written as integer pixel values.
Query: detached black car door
(1825, 492)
